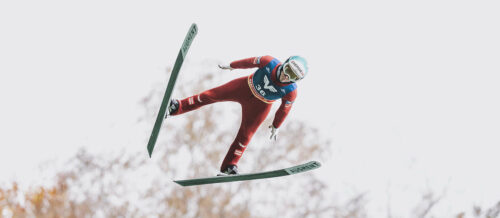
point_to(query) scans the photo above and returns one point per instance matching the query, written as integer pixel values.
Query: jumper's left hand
(274, 132)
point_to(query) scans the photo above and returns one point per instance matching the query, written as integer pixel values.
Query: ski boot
(173, 108)
(230, 170)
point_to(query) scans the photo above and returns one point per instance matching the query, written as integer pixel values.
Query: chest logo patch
(267, 86)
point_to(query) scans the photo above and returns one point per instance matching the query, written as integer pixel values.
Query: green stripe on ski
(251, 176)
(170, 87)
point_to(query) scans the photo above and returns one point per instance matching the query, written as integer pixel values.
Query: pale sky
(407, 90)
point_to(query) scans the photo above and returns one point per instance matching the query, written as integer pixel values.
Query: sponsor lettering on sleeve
(256, 60)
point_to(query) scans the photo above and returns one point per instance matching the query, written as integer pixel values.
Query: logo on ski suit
(264, 88)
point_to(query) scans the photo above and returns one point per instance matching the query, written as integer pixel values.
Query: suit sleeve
(252, 62)
(285, 107)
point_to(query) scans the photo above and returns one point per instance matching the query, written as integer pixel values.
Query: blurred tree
(128, 184)
(191, 145)
(428, 202)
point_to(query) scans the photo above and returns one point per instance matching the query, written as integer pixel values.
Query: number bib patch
(264, 88)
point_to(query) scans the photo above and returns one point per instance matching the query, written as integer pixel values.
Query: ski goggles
(287, 70)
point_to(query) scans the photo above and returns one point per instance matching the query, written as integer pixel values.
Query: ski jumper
(255, 93)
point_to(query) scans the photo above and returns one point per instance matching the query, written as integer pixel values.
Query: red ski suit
(255, 107)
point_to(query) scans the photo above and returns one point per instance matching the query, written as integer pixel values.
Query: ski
(193, 30)
(251, 176)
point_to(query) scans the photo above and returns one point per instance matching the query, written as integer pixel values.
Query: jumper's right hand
(225, 67)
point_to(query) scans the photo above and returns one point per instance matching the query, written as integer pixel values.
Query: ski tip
(194, 28)
(317, 163)
(311, 165)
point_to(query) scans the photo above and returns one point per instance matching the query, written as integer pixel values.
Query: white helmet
(295, 67)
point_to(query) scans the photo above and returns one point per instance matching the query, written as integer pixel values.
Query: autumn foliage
(130, 184)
